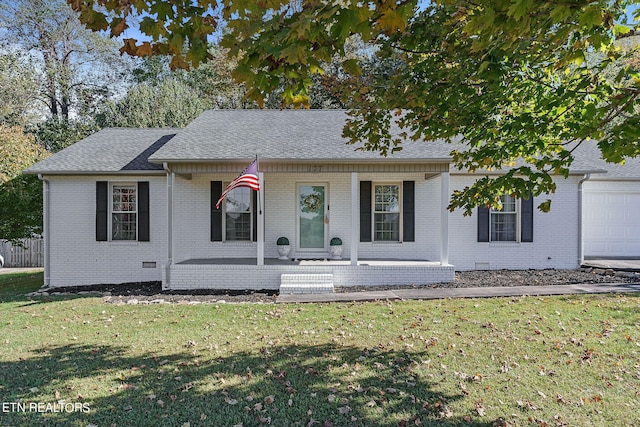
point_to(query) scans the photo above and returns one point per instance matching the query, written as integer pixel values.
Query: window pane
(123, 208)
(508, 203)
(124, 198)
(238, 200)
(386, 198)
(238, 226)
(503, 227)
(237, 206)
(387, 213)
(123, 226)
(387, 227)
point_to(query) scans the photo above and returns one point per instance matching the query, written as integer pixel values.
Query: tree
(76, 66)
(214, 81)
(18, 90)
(170, 103)
(506, 77)
(55, 134)
(20, 195)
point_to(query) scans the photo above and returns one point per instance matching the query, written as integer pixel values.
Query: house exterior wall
(76, 258)
(555, 235)
(192, 201)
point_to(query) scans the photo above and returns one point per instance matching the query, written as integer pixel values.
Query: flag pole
(258, 170)
(260, 236)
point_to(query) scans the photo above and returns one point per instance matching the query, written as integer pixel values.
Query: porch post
(355, 215)
(260, 238)
(444, 218)
(170, 182)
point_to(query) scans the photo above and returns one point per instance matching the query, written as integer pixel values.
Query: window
(124, 212)
(238, 221)
(504, 222)
(386, 213)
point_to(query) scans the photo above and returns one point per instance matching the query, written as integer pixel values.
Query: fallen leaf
(445, 413)
(344, 409)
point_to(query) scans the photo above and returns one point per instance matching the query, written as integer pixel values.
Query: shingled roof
(282, 135)
(108, 151)
(589, 154)
(220, 135)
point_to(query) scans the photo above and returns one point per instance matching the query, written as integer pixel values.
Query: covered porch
(418, 254)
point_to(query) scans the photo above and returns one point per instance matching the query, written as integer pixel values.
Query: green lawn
(557, 361)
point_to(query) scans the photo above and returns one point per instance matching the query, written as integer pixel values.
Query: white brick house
(130, 205)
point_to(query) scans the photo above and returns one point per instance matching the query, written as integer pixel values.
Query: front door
(312, 217)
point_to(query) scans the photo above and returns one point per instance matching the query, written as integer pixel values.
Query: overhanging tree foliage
(508, 77)
(20, 195)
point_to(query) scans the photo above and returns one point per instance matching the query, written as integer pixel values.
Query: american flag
(248, 178)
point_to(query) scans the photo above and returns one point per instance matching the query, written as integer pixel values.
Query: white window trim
(518, 224)
(373, 213)
(113, 184)
(224, 220)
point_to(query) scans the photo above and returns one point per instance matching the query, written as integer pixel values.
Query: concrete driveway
(615, 264)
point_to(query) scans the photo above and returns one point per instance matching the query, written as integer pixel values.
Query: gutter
(580, 222)
(46, 230)
(167, 273)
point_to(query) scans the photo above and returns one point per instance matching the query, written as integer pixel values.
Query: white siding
(77, 258)
(192, 216)
(555, 235)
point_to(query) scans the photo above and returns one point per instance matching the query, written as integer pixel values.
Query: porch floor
(310, 262)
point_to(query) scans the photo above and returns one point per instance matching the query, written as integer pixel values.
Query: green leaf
(352, 67)
(519, 9)
(294, 54)
(162, 9)
(94, 20)
(591, 17)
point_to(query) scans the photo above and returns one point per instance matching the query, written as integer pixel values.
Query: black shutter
(526, 218)
(102, 210)
(408, 211)
(255, 215)
(483, 224)
(216, 214)
(365, 211)
(143, 211)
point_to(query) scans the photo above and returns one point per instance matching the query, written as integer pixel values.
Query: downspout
(167, 281)
(580, 222)
(46, 230)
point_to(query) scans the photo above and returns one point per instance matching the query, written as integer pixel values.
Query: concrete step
(306, 283)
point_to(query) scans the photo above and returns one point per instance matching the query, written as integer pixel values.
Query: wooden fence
(31, 254)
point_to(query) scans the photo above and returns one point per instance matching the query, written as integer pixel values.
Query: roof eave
(293, 160)
(81, 172)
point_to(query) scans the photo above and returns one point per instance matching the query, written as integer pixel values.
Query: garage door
(611, 223)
